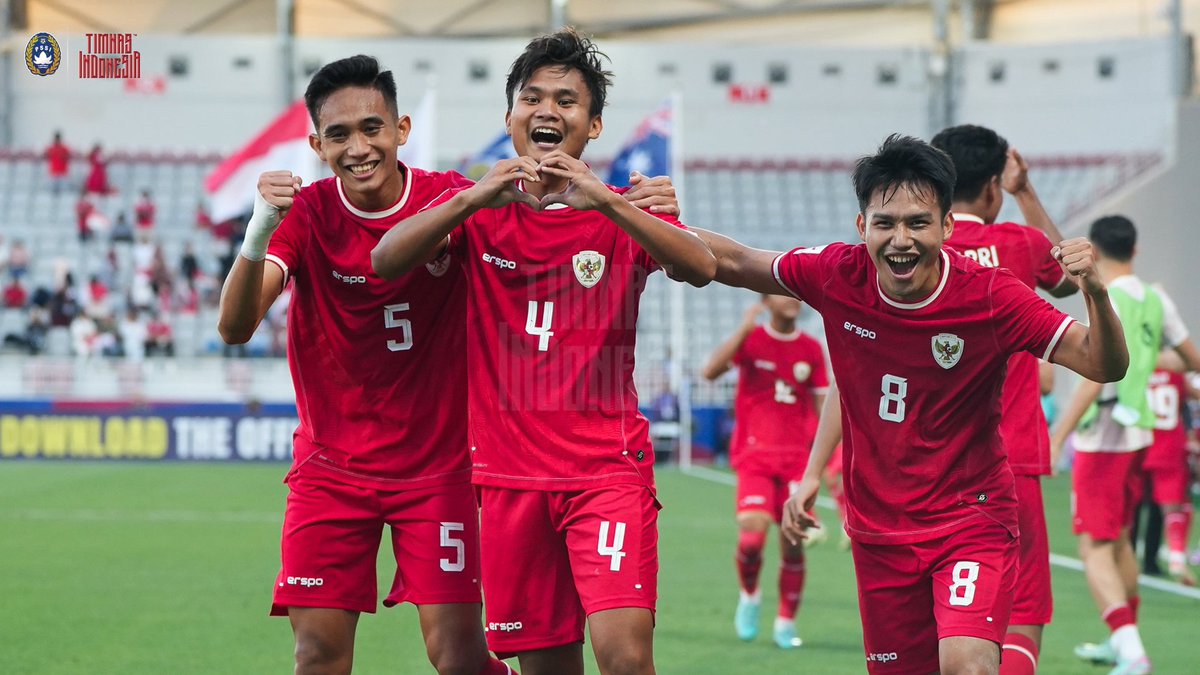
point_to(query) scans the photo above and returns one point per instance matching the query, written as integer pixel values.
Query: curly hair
(565, 49)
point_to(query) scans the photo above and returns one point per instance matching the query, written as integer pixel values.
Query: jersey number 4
(540, 329)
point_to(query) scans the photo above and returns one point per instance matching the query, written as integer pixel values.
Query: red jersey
(58, 156)
(1167, 396)
(378, 366)
(552, 311)
(1026, 253)
(920, 388)
(775, 418)
(144, 213)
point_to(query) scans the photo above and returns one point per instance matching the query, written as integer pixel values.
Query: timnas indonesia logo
(110, 56)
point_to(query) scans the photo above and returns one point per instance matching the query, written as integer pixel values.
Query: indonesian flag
(281, 146)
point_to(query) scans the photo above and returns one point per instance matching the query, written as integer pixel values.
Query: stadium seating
(770, 204)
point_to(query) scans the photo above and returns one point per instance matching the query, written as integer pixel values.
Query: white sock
(752, 598)
(1127, 641)
(781, 622)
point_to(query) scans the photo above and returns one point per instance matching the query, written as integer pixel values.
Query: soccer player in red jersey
(373, 447)
(781, 387)
(919, 337)
(1166, 465)
(556, 261)
(987, 168)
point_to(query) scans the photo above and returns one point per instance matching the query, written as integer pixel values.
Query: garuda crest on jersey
(589, 267)
(947, 349)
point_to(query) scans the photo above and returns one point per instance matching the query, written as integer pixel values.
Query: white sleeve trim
(282, 265)
(1062, 329)
(779, 280)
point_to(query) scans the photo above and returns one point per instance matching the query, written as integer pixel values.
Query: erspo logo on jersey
(859, 331)
(349, 278)
(499, 262)
(307, 582)
(505, 626)
(883, 657)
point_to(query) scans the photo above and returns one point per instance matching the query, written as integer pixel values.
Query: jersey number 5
(459, 562)
(390, 320)
(891, 404)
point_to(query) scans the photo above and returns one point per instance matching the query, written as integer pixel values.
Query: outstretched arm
(741, 266)
(252, 285)
(1096, 351)
(421, 238)
(721, 360)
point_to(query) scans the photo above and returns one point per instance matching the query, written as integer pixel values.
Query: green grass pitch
(143, 568)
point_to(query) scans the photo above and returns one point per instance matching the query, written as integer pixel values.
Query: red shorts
(331, 534)
(1168, 484)
(1033, 602)
(759, 492)
(1105, 489)
(550, 559)
(913, 595)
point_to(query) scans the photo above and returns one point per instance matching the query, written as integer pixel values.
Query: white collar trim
(376, 215)
(927, 301)
(785, 337)
(968, 216)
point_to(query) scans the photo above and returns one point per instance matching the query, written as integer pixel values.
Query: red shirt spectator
(97, 180)
(15, 295)
(143, 212)
(58, 159)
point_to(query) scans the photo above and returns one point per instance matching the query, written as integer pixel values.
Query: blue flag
(475, 166)
(648, 151)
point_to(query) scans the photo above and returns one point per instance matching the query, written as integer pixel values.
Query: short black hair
(904, 161)
(355, 71)
(565, 49)
(1115, 236)
(978, 153)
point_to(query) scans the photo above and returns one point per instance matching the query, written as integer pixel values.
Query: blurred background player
(1110, 442)
(782, 381)
(556, 262)
(918, 337)
(1168, 476)
(359, 349)
(986, 168)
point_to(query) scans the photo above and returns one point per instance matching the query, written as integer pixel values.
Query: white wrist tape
(263, 223)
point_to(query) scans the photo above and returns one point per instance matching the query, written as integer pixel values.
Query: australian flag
(478, 164)
(648, 151)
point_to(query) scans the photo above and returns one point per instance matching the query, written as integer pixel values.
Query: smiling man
(556, 262)
(918, 338)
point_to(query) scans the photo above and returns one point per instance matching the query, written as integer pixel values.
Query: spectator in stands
(64, 304)
(143, 253)
(34, 339)
(84, 335)
(144, 212)
(160, 339)
(15, 295)
(83, 209)
(97, 178)
(189, 264)
(18, 258)
(58, 161)
(121, 232)
(97, 302)
(98, 224)
(133, 333)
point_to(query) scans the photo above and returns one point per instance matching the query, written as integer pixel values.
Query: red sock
(1019, 656)
(497, 667)
(1135, 601)
(749, 558)
(1177, 524)
(791, 586)
(1117, 616)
